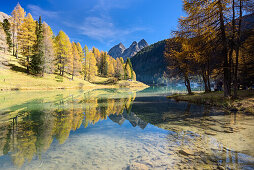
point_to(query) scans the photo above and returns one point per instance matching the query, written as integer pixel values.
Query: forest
(215, 41)
(41, 52)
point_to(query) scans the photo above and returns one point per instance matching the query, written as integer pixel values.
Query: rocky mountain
(3, 16)
(120, 51)
(117, 50)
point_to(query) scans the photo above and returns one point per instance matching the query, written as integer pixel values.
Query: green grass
(13, 76)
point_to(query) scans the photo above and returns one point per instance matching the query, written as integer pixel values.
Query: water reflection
(37, 123)
(187, 135)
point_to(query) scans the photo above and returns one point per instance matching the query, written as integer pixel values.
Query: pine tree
(7, 29)
(49, 49)
(27, 39)
(18, 15)
(37, 61)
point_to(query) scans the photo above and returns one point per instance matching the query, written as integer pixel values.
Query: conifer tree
(18, 15)
(7, 29)
(63, 50)
(27, 39)
(37, 61)
(76, 60)
(81, 56)
(119, 73)
(128, 71)
(49, 49)
(90, 68)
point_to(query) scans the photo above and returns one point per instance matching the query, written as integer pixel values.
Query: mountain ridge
(120, 50)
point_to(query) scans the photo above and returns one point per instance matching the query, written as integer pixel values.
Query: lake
(120, 129)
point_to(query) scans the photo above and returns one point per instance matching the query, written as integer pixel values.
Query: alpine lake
(120, 129)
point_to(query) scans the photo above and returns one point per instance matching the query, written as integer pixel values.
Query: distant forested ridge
(149, 64)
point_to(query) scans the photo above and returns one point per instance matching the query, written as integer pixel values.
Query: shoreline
(245, 102)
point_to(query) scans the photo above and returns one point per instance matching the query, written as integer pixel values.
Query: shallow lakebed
(120, 129)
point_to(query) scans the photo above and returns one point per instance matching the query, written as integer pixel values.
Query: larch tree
(76, 60)
(27, 39)
(111, 69)
(81, 57)
(128, 71)
(90, 69)
(48, 49)
(18, 15)
(119, 71)
(84, 64)
(63, 50)
(7, 29)
(180, 59)
(202, 14)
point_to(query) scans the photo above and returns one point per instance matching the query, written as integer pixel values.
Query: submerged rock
(186, 152)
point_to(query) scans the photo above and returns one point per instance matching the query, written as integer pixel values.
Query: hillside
(149, 64)
(13, 76)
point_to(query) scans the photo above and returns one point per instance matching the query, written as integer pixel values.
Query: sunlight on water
(119, 129)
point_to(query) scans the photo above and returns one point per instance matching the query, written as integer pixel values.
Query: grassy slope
(245, 102)
(13, 77)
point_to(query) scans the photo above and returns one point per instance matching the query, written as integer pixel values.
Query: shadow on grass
(17, 68)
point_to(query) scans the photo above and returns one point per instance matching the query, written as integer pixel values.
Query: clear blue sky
(104, 23)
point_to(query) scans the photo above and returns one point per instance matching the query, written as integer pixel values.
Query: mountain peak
(142, 44)
(120, 51)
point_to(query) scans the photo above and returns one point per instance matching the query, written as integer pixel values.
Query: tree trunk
(237, 52)
(27, 66)
(187, 84)
(227, 90)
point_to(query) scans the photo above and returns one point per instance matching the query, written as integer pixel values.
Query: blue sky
(105, 23)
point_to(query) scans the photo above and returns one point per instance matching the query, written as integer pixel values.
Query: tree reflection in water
(31, 132)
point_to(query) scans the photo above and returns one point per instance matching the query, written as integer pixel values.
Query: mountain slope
(3, 16)
(149, 64)
(120, 51)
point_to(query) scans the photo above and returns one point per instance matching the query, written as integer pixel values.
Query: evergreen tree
(37, 61)
(7, 29)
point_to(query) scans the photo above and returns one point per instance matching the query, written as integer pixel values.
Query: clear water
(119, 129)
